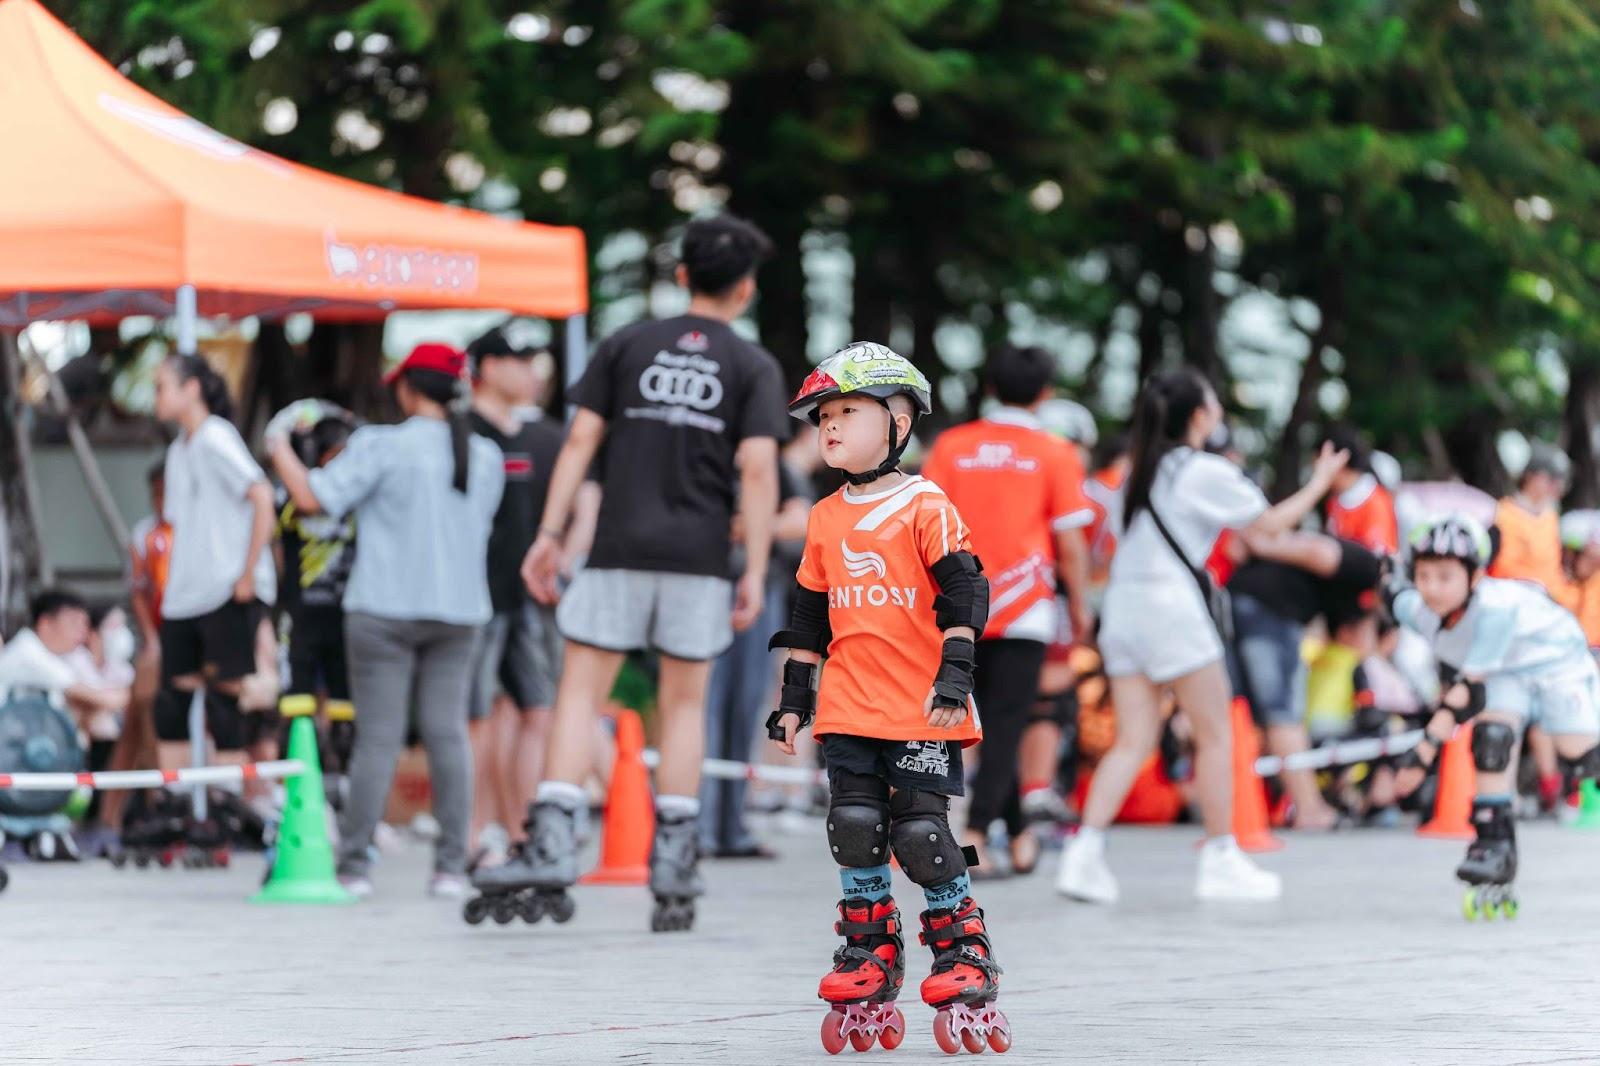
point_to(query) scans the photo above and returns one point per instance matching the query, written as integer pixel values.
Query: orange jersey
(872, 555)
(152, 557)
(1364, 513)
(1101, 489)
(1021, 486)
(1530, 550)
(1588, 609)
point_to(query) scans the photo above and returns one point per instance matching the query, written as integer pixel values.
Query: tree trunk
(1150, 340)
(1583, 401)
(782, 308)
(1201, 312)
(23, 563)
(1286, 471)
(871, 305)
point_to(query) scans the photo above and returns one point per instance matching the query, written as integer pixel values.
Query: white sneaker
(448, 886)
(358, 886)
(1226, 874)
(1084, 874)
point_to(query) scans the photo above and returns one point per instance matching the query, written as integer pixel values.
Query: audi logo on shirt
(682, 381)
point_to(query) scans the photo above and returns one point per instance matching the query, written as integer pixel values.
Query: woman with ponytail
(220, 577)
(1157, 631)
(424, 494)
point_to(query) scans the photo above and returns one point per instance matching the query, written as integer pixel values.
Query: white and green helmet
(1452, 536)
(865, 368)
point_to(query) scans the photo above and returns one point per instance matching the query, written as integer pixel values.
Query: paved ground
(1366, 961)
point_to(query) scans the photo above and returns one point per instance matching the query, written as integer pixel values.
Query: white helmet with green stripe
(867, 369)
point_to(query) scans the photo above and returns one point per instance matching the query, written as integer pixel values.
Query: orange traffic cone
(630, 814)
(1458, 783)
(1249, 791)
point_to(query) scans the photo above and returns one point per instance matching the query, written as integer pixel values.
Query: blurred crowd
(404, 580)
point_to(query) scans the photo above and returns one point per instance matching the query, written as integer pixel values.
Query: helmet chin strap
(897, 448)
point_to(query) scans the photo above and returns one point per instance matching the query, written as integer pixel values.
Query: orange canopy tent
(113, 203)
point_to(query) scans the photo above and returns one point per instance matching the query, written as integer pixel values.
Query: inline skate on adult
(674, 873)
(534, 879)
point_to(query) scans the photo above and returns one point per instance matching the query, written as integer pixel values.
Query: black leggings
(1007, 685)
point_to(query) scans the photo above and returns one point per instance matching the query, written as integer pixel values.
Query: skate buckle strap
(887, 926)
(946, 961)
(848, 953)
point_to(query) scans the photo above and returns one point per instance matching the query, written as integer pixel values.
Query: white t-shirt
(1198, 496)
(25, 663)
(1510, 627)
(208, 473)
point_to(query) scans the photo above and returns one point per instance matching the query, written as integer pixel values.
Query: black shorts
(220, 646)
(925, 765)
(316, 654)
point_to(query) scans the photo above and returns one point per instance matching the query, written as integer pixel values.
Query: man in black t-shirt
(1274, 599)
(690, 414)
(519, 653)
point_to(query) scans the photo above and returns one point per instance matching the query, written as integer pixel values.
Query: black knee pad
(921, 836)
(171, 712)
(858, 820)
(1585, 767)
(226, 722)
(1492, 745)
(1061, 709)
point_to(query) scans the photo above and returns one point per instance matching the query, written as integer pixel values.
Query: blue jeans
(1264, 663)
(741, 687)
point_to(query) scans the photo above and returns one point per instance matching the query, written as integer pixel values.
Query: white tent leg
(187, 309)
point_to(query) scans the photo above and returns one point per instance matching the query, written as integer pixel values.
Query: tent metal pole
(577, 356)
(187, 309)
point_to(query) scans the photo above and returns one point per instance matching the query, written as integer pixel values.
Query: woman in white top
(1156, 630)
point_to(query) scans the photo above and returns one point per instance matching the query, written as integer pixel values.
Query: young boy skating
(1510, 656)
(890, 593)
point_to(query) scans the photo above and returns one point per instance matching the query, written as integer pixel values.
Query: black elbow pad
(963, 599)
(808, 624)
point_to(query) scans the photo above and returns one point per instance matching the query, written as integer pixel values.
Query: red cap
(431, 355)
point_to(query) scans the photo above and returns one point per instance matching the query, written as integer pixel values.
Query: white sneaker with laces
(1227, 875)
(1083, 874)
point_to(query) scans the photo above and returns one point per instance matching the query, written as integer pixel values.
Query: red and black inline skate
(867, 973)
(963, 985)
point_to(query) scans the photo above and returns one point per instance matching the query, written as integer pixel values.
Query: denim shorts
(1264, 663)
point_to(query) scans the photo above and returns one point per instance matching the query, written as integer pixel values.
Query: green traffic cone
(1588, 806)
(303, 870)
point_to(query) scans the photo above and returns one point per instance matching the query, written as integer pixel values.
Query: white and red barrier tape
(121, 779)
(1343, 753)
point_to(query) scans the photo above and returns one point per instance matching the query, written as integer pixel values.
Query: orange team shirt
(1588, 608)
(1020, 486)
(152, 556)
(1101, 489)
(872, 555)
(1364, 513)
(1530, 550)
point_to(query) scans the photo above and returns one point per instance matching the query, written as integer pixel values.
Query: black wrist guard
(798, 697)
(1476, 701)
(1407, 760)
(953, 684)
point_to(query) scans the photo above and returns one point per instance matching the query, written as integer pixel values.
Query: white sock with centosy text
(678, 808)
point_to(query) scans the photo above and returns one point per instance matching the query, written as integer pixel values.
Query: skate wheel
(1469, 905)
(1000, 1039)
(1510, 908)
(474, 911)
(531, 908)
(943, 1035)
(561, 908)
(833, 1038)
(141, 860)
(894, 1030)
(5, 879)
(220, 859)
(973, 1040)
(118, 859)
(862, 1041)
(503, 911)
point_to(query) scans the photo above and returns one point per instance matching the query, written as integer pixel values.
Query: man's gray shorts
(520, 655)
(685, 616)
